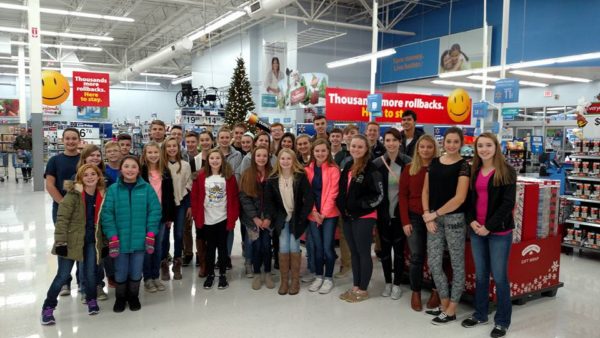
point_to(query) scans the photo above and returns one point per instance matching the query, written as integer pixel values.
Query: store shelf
(590, 224)
(578, 247)
(584, 178)
(586, 157)
(571, 198)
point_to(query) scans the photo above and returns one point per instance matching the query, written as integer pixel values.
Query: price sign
(506, 91)
(88, 133)
(200, 120)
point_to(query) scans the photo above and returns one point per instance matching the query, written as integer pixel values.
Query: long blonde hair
(144, 157)
(165, 156)
(502, 175)
(296, 166)
(417, 161)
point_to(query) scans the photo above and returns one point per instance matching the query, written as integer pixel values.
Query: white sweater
(182, 181)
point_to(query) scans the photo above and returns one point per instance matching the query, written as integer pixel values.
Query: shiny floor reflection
(187, 310)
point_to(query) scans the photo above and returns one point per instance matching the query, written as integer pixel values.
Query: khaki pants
(345, 259)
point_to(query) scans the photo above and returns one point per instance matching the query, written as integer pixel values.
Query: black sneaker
(434, 312)
(208, 283)
(229, 266)
(187, 259)
(472, 322)
(498, 331)
(223, 283)
(443, 319)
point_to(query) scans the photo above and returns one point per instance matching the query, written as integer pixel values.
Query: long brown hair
(319, 142)
(359, 165)
(144, 158)
(165, 156)
(249, 180)
(225, 169)
(417, 161)
(86, 152)
(100, 186)
(296, 166)
(502, 175)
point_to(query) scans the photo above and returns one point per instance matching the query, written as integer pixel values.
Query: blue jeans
(129, 266)
(322, 238)
(69, 278)
(62, 277)
(490, 254)
(310, 252)
(287, 242)
(84, 273)
(177, 234)
(261, 251)
(248, 250)
(152, 262)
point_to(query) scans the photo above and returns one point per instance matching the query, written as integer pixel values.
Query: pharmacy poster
(91, 89)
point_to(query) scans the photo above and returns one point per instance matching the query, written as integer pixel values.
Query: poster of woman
(462, 51)
(274, 75)
(9, 108)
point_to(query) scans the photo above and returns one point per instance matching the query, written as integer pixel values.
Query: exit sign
(547, 93)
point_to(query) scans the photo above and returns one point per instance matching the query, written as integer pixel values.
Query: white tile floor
(187, 310)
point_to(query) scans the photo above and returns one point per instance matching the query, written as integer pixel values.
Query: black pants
(216, 238)
(417, 243)
(392, 237)
(359, 235)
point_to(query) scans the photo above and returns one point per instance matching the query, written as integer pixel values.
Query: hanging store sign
(91, 89)
(506, 91)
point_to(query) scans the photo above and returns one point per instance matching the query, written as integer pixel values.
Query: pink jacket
(329, 192)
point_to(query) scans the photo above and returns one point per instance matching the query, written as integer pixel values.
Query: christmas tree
(239, 100)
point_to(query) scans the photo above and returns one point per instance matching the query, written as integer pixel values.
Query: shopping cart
(21, 159)
(3, 164)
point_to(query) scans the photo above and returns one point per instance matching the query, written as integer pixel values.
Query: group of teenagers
(114, 216)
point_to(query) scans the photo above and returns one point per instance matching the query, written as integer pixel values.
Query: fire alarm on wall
(556, 96)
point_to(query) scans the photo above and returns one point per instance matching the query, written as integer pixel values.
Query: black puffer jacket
(253, 206)
(303, 204)
(364, 194)
(383, 210)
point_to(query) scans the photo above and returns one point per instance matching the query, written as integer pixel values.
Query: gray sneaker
(149, 286)
(308, 277)
(159, 285)
(83, 300)
(248, 270)
(396, 292)
(100, 294)
(387, 290)
(65, 290)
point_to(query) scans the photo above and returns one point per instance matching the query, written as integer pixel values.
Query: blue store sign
(480, 109)
(506, 91)
(374, 104)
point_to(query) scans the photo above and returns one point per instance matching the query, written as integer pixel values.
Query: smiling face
(335, 139)
(391, 144)
(452, 143)
(303, 145)
(94, 158)
(262, 141)
(205, 141)
(157, 133)
(172, 149)
(125, 146)
(320, 126)
(321, 153)
(191, 143)
(152, 154)
(261, 157)
(358, 148)
(71, 141)
(215, 161)
(113, 154)
(372, 133)
(486, 149)
(276, 132)
(287, 142)
(130, 170)
(247, 143)
(285, 161)
(408, 123)
(55, 88)
(459, 105)
(178, 134)
(224, 138)
(426, 150)
(90, 178)
(237, 134)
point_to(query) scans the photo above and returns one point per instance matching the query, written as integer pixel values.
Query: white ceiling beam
(341, 24)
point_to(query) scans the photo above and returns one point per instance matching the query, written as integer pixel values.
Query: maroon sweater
(411, 188)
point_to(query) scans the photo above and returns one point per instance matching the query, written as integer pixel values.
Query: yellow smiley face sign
(55, 88)
(459, 105)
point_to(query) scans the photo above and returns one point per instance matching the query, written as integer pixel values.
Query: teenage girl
(289, 201)
(247, 143)
(77, 237)
(159, 177)
(181, 174)
(489, 214)
(303, 149)
(390, 166)
(207, 142)
(444, 192)
(255, 218)
(215, 204)
(288, 140)
(360, 193)
(130, 219)
(324, 177)
(411, 214)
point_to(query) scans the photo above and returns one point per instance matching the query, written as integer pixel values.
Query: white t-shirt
(215, 202)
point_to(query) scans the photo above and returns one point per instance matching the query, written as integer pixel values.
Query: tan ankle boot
(268, 279)
(295, 261)
(434, 300)
(415, 301)
(284, 270)
(177, 268)
(164, 270)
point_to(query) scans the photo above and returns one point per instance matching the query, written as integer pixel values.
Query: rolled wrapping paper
(255, 121)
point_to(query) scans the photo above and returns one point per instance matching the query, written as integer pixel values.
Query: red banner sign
(91, 89)
(351, 105)
(594, 108)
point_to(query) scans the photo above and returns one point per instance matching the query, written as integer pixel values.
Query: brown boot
(164, 270)
(295, 261)
(284, 271)
(201, 257)
(415, 301)
(177, 268)
(434, 300)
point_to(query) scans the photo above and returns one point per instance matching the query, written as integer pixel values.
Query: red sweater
(411, 188)
(199, 194)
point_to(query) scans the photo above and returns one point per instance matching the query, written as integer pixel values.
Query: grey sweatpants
(451, 232)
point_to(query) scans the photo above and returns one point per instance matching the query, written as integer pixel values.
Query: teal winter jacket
(130, 215)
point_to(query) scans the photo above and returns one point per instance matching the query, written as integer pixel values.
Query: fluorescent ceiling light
(141, 83)
(48, 45)
(494, 79)
(70, 13)
(182, 79)
(227, 18)
(460, 84)
(166, 76)
(50, 33)
(556, 108)
(550, 76)
(361, 58)
(11, 74)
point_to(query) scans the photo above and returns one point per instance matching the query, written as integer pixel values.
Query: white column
(21, 85)
(374, 50)
(504, 46)
(35, 82)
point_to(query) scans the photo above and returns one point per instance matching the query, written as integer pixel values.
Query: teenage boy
(410, 134)
(276, 135)
(124, 141)
(377, 148)
(337, 150)
(113, 156)
(177, 133)
(349, 132)
(320, 125)
(238, 131)
(157, 131)
(60, 168)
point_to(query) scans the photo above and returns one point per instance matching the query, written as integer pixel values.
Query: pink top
(481, 185)
(155, 179)
(369, 215)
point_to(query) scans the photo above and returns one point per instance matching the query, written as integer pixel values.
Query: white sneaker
(158, 284)
(83, 300)
(396, 292)
(387, 290)
(308, 277)
(100, 294)
(326, 287)
(65, 290)
(316, 284)
(248, 270)
(149, 286)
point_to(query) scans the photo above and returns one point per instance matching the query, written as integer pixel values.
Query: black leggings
(392, 237)
(216, 238)
(359, 235)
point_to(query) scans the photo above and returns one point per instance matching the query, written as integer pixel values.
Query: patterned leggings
(451, 231)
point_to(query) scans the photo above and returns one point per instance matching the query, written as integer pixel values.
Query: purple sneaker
(48, 316)
(93, 307)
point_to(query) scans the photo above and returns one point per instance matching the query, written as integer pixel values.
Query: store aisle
(187, 310)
